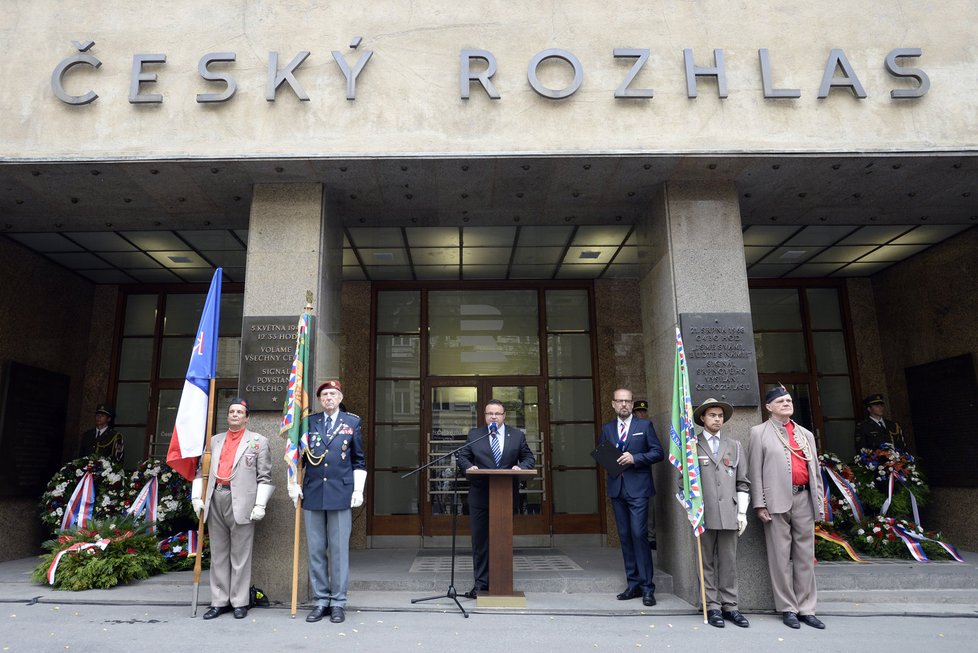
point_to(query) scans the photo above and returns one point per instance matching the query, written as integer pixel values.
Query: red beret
(329, 385)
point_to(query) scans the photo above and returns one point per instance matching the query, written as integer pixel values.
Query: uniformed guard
(876, 430)
(103, 440)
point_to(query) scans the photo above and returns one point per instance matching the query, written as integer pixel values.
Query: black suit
(870, 435)
(478, 453)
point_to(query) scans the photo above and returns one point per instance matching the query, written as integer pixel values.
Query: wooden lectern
(501, 538)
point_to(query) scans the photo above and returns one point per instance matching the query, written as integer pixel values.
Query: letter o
(555, 53)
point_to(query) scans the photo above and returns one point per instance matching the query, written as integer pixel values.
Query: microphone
(493, 429)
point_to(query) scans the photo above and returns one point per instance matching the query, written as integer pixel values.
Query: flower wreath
(109, 489)
(173, 502)
(872, 469)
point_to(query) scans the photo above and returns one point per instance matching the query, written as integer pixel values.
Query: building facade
(485, 201)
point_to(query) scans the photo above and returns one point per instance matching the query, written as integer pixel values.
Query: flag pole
(699, 551)
(205, 466)
(295, 543)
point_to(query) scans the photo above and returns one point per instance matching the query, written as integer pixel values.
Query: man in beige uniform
(723, 472)
(787, 496)
(238, 488)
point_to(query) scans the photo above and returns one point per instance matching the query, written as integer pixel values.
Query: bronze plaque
(720, 357)
(267, 349)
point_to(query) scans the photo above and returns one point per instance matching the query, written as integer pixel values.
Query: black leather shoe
(240, 613)
(714, 619)
(630, 593)
(317, 613)
(648, 598)
(216, 611)
(474, 592)
(736, 618)
(811, 620)
(337, 615)
(790, 619)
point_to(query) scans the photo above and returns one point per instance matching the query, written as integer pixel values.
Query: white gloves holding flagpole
(743, 500)
(295, 492)
(359, 482)
(196, 488)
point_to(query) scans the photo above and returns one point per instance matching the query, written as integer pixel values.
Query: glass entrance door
(456, 407)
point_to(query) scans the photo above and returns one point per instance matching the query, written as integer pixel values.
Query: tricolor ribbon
(837, 539)
(846, 489)
(78, 546)
(913, 500)
(78, 511)
(912, 540)
(146, 503)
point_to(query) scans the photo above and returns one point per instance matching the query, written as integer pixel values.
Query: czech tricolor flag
(187, 441)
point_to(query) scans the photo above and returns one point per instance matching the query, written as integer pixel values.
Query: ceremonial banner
(682, 442)
(295, 414)
(187, 441)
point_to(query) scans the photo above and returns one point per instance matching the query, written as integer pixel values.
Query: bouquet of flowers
(878, 537)
(173, 502)
(108, 478)
(101, 555)
(840, 513)
(873, 468)
(176, 552)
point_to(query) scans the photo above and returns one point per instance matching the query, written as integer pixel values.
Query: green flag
(295, 414)
(682, 442)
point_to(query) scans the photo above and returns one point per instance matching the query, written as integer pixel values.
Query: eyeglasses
(622, 401)
(495, 414)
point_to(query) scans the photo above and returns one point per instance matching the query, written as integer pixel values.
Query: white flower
(79, 473)
(861, 532)
(869, 538)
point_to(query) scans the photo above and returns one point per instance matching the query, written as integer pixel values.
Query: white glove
(195, 490)
(261, 500)
(359, 481)
(295, 493)
(743, 500)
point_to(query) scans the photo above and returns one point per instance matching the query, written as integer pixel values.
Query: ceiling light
(794, 253)
(384, 256)
(180, 259)
(590, 254)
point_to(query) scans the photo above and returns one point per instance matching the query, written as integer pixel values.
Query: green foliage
(825, 550)
(131, 554)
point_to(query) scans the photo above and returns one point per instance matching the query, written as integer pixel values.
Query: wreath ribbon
(846, 489)
(913, 500)
(146, 503)
(79, 509)
(838, 539)
(77, 546)
(912, 540)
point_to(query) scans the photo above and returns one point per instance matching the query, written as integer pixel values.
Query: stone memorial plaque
(267, 349)
(721, 358)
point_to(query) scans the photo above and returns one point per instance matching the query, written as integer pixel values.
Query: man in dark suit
(875, 430)
(630, 493)
(334, 475)
(493, 446)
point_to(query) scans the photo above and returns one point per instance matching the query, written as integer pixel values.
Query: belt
(795, 489)
(227, 486)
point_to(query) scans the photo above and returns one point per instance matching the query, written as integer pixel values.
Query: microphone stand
(451, 593)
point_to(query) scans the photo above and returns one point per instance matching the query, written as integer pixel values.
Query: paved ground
(908, 606)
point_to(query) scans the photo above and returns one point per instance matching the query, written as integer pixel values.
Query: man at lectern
(493, 446)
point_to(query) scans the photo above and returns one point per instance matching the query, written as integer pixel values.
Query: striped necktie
(497, 452)
(622, 435)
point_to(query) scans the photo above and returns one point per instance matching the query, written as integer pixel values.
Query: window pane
(135, 443)
(823, 304)
(166, 417)
(399, 312)
(394, 495)
(780, 352)
(140, 315)
(228, 357)
(571, 400)
(183, 314)
(396, 446)
(135, 359)
(572, 444)
(483, 332)
(522, 407)
(453, 413)
(398, 356)
(775, 308)
(132, 403)
(398, 401)
(575, 492)
(232, 306)
(175, 356)
(840, 438)
(569, 354)
(830, 352)
(835, 394)
(567, 310)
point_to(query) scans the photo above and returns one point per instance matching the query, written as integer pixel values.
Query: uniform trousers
(790, 539)
(328, 543)
(720, 569)
(231, 544)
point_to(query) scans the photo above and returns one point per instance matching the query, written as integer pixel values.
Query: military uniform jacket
(721, 477)
(870, 435)
(110, 445)
(252, 467)
(769, 469)
(329, 461)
